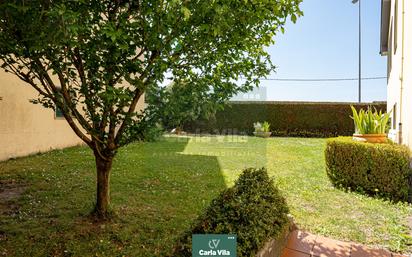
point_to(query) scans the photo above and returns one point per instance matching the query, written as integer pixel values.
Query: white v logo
(214, 243)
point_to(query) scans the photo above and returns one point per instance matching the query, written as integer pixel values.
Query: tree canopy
(180, 102)
(94, 59)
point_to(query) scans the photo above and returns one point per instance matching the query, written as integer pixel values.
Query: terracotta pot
(262, 134)
(370, 138)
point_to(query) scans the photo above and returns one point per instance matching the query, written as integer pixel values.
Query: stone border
(274, 247)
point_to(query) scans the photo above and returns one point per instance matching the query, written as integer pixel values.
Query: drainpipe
(401, 76)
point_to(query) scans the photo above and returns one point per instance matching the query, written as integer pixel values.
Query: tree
(180, 102)
(94, 59)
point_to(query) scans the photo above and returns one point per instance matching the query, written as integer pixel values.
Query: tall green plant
(262, 127)
(266, 126)
(370, 121)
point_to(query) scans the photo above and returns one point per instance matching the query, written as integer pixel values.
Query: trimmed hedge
(253, 209)
(375, 169)
(286, 118)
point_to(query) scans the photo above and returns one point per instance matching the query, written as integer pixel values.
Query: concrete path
(302, 244)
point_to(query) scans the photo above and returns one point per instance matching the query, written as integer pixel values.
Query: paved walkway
(302, 244)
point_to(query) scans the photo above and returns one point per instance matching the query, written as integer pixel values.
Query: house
(396, 44)
(26, 128)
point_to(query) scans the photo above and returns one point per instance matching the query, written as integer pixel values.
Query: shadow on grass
(156, 192)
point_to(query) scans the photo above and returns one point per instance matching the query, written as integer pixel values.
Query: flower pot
(262, 134)
(177, 131)
(370, 138)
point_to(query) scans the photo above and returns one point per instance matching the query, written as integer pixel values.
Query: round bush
(253, 209)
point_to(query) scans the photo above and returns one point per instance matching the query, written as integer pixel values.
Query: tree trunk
(103, 168)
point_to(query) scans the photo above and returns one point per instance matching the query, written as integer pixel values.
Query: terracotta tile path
(302, 244)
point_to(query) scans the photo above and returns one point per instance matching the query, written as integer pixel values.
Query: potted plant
(370, 125)
(262, 129)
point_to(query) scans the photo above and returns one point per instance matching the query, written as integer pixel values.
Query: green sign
(214, 245)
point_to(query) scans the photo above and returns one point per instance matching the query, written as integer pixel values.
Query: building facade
(26, 128)
(396, 45)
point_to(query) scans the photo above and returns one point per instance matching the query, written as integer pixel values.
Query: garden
(253, 170)
(160, 188)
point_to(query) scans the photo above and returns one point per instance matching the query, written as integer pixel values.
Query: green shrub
(145, 130)
(285, 118)
(376, 169)
(253, 209)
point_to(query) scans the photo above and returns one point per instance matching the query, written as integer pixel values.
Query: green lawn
(159, 188)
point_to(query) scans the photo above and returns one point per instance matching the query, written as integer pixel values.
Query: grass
(159, 188)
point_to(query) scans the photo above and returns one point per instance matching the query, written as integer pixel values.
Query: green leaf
(186, 12)
(294, 18)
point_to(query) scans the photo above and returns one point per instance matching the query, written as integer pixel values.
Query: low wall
(303, 119)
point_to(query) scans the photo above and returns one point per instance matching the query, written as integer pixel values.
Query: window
(58, 114)
(394, 116)
(390, 49)
(395, 28)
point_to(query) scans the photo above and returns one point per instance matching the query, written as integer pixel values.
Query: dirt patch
(10, 190)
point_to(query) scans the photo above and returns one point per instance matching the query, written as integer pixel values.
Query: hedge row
(286, 118)
(253, 209)
(375, 169)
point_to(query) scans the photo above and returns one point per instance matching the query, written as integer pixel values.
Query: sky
(324, 44)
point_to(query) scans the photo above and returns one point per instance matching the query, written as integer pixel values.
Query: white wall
(395, 86)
